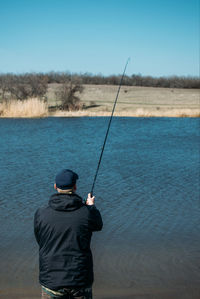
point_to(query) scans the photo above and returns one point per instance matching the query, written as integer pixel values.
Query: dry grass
(134, 101)
(167, 113)
(132, 113)
(134, 96)
(30, 108)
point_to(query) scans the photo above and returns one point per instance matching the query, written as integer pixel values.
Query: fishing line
(120, 84)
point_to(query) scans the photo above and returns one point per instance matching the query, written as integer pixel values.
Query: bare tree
(68, 95)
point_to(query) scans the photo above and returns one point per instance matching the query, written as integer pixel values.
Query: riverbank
(141, 112)
(97, 100)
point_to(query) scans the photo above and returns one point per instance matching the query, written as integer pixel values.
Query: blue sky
(160, 36)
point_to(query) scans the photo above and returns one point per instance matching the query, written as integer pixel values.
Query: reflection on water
(147, 190)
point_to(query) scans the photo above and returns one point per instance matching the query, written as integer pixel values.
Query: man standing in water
(63, 232)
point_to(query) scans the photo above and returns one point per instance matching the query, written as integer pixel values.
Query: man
(63, 232)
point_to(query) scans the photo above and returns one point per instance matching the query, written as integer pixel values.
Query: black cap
(66, 179)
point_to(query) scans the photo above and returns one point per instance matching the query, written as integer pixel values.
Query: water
(147, 190)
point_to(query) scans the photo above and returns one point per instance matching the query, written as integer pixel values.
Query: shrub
(67, 94)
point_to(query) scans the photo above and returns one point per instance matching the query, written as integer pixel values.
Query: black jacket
(63, 231)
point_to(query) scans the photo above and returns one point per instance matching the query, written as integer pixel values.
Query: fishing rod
(102, 150)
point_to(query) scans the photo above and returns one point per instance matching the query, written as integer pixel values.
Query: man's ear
(75, 187)
(55, 187)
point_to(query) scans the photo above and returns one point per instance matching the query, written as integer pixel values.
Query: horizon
(98, 74)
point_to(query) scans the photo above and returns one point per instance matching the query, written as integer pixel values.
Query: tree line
(35, 85)
(41, 80)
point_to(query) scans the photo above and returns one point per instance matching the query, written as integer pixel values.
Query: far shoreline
(98, 100)
(140, 113)
(194, 113)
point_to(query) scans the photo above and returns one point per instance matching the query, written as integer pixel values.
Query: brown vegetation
(32, 107)
(67, 94)
(22, 87)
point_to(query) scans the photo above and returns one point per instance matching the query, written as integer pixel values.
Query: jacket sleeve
(36, 227)
(95, 220)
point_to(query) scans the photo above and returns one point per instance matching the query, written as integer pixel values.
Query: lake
(147, 189)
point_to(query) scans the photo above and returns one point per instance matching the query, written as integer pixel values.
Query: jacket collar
(65, 202)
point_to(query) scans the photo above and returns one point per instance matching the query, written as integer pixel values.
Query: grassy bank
(137, 113)
(134, 101)
(98, 101)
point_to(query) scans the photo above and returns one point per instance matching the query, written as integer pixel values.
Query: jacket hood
(65, 202)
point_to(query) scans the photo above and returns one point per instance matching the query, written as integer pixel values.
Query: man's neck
(68, 191)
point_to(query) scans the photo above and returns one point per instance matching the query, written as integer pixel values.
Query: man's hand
(90, 200)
